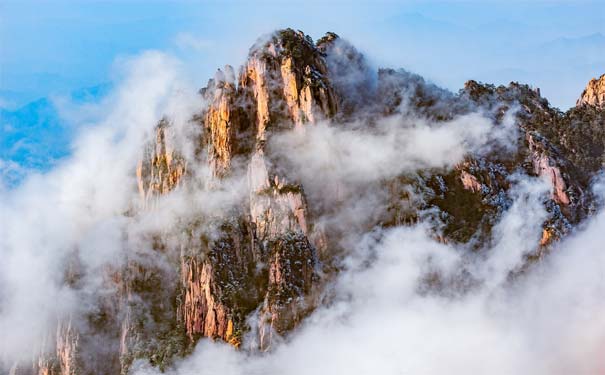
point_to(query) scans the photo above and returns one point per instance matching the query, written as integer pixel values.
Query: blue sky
(50, 48)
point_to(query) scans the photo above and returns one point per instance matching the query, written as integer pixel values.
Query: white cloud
(190, 42)
(79, 205)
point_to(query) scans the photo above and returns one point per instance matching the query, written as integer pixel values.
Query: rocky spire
(594, 93)
(161, 168)
(283, 85)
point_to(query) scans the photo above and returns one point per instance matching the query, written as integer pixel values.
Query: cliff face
(161, 168)
(262, 259)
(282, 86)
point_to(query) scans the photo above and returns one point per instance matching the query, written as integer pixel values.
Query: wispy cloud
(188, 41)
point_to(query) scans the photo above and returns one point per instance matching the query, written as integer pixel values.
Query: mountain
(250, 273)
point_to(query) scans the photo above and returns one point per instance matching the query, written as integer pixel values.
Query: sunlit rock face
(594, 93)
(161, 168)
(252, 274)
(282, 86)
(64, 360)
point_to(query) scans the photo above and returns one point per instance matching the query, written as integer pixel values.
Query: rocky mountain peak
(594, 93)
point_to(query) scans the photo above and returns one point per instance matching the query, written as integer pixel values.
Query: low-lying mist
(384, 319)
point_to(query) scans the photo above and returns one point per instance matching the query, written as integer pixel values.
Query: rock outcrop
(594, 93)
(161, 168)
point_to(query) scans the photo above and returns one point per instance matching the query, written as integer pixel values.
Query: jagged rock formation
(543, 134)
(65, 359)
(594, 93)
(220, 289)
(267, 257)
(161, 168)
(282, 86)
